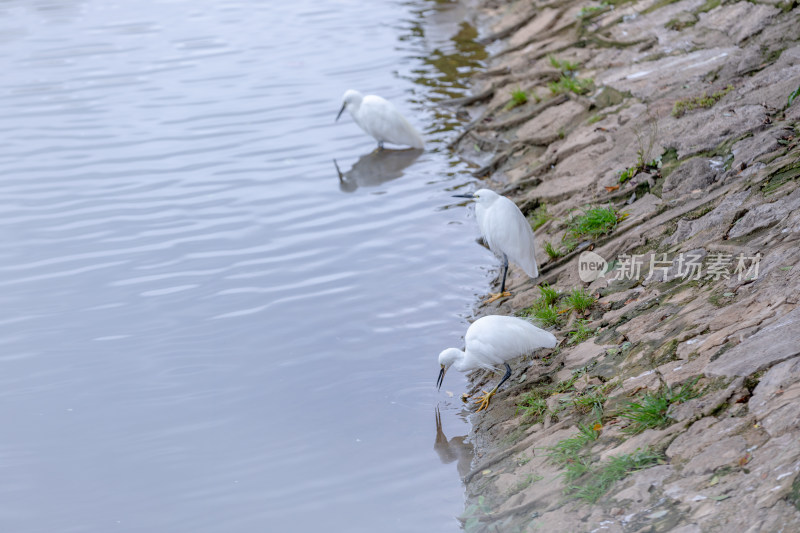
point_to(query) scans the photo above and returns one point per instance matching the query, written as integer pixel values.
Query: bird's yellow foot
(497, 296)
(465, 397)
(484, 400)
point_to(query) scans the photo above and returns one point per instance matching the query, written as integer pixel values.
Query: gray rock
(775, 400)
(694, 174)
(720, 453)
(773, 344)
(765, 215)
(739, 21)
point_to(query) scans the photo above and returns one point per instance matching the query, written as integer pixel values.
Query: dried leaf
(714, 481)
(612, 188)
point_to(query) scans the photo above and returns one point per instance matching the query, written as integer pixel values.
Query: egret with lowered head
(506, 231)
(491, 341)
(380, 119)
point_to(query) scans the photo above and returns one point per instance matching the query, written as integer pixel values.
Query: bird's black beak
(338, 171)
(468, 195)
(441, 378)
(340, 112)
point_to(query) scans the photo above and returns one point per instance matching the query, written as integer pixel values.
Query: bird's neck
(459, 363)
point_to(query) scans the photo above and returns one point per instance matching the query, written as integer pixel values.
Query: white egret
(491, 341)
(380, 119)
(506, 231)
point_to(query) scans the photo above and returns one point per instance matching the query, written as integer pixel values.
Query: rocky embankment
(658, 135)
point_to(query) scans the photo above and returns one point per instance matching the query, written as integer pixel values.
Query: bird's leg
(380, 146)
(484, 400)
(503, 292)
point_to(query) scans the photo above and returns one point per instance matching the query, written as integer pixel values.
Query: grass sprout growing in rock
(579, 300)
(566, 67)
(590, 401)
(793, 95)
(579, 333)
(567, 84)
(539, 217)
(681, 107)
(644, 160)
(532, 406)
(551, 251)
(593, 222)
(650, 412)
(549, 295)
(546, 315)
(518, 98)
(601, 478)
(566, 453)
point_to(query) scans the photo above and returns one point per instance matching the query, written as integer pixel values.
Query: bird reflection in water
(453, 450)
(376, 167)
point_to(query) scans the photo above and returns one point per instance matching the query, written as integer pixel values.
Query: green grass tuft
(549, 295)
(533, 406)
(580, 333)
(546, 315)
(592, 223)
(566, 67)
(681, 107)
(650, 412)
(569, 84)
(793, 95)
(539, 217)
(518, 98)
(616, 468)
(552, 252)
(579, 300)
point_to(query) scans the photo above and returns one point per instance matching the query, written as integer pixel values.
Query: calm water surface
(203, 327)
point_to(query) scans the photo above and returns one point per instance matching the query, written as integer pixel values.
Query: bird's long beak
(338, 171)
(468, 195)
(340, 112)
(441, 378)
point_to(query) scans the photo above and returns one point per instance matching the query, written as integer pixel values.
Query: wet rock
(702, 434)
(720, 453)
(694, 174)
(747, 150)
(551, 123)
(773, 344)
(646, 80)
(543, 21)
(765, 215)
(704, 130)
(774, 401)
(738, 21)
(751, 61)
(772, 85)
(714, 222)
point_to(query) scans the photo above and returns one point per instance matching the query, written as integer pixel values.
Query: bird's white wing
(383, 121)
(507, 231)
(494, 339)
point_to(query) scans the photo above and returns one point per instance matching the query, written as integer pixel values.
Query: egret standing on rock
(380, 119)
(506, 231)
(491, 341)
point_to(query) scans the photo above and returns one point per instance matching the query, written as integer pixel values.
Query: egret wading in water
(490, 342)
(506, 231)
(380, 119)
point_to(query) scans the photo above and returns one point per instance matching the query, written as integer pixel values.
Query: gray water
(202, 326)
